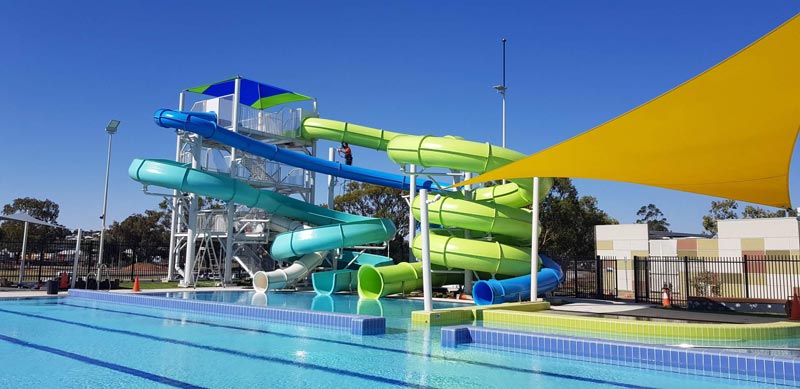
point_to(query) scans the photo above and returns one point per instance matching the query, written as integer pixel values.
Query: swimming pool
(73, 342)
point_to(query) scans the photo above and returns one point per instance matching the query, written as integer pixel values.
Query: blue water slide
(486, 292)
(205, 125)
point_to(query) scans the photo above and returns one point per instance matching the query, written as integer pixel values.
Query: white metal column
(411, 221)
(427, 289)
(231, 206)
(191, 230)
(22, 255)
(75, 261)
(172, 257)
(331, 194)
(331, 178)
(535, 240)
(467, 272)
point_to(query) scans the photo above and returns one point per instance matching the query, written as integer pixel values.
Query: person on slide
(348, 154)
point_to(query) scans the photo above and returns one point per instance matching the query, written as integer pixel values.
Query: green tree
(720, 210)
(44, 210)
(567, 221)
(751, 212)
(653, 217)
(377, 201)
(140, 232)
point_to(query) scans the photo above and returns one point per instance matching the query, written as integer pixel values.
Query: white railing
(285, 122)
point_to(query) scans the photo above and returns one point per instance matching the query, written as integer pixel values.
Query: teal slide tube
(338, 229)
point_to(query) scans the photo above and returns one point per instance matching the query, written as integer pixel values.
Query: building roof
(728, 132)
(674, 235)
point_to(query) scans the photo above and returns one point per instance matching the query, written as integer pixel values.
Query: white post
(412, 191)
(172, 257)
(535, 240)
(504, 118)
(427, 289)
(231, 206)
(104, 216)
(191, 229)
(75, 263)
(331, 178)
(22, 257)
(331, 195)
(467, 273)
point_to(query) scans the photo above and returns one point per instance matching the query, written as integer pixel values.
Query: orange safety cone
(666, 300)
(136, 285)
(795, 313)
(64, 281)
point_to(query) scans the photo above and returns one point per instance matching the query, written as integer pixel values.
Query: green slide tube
(491, 257)
(480, 216)
(449, 152)
(376, 282)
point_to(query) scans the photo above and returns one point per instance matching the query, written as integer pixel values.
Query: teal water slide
(334, 229)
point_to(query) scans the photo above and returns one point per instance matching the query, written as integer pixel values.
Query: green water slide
(493, 214)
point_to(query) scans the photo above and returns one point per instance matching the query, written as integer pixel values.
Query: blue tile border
(356, 324)
(751, 367)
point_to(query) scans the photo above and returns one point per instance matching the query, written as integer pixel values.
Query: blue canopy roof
(252, 93)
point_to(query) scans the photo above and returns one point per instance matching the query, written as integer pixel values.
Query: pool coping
(470, 313)
(750, 367)
(355, 324)
(660, 329)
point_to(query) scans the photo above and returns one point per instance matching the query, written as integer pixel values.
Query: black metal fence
(592, 277)
(690, 280)
(47, 260)
(748, 279)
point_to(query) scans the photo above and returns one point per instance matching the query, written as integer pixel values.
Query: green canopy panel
(253, 94)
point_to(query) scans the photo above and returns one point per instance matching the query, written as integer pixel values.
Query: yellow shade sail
(729, 132)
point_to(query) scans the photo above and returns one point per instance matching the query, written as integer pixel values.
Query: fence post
(133, 267)
(645, 269)
(41, 259)
(635, 265)
(746, 278)
(598, 277)
(686, 277)
(575, 274)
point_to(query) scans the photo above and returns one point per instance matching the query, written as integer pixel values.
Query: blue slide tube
(205, 125)
(518, 288)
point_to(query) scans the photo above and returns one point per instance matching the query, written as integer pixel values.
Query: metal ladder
(207, 258)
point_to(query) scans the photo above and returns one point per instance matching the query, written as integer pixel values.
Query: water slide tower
(208, 241)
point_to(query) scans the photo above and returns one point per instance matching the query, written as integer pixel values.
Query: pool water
(77, 343)
(397, 311)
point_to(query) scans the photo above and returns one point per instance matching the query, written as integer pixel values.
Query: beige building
(754, 238)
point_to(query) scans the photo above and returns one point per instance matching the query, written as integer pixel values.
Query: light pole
(502, 90)
(111, 129)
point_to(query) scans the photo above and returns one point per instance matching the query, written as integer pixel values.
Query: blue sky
(416, 67)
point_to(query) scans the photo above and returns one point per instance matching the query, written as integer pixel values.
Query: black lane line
(378, 348)
(226, 351)
(108, 365)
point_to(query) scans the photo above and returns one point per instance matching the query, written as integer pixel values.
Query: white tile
(729, 244)
(621, 231)
(781, 243)
(639, 245)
